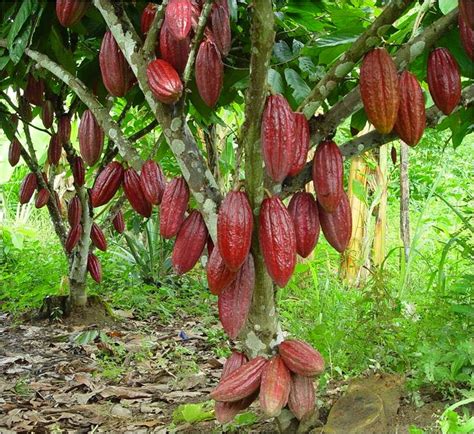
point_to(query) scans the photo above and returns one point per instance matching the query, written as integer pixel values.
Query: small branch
(152, 35)
(144, 131)
(364, 43)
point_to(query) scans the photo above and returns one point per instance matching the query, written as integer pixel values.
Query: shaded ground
(125, 376)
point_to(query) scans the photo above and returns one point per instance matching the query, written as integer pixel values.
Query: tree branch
(152, 35)
(372, 140)
(364, 43)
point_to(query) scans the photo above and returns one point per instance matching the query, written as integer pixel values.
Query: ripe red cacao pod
(134, 193)
(411, 119)
(174, 51)
(235, 300)
(42, 198)
(91, 138)
(274, 387)
(164, 81)
(190, 243)
(47, 113)
(242, 382)
(28, 187)
(74, 211)
(116, 73)
(379, 89)
(70, 12)
(337, 226)
(218, 275)
(98, 237)
(148, 15)
(209, 72)
(78, 171)
(302, 398)
(54, 150)
(301, 358)
(466, 9)
(226, 411)
(278, 137)
(173, 206)
(304, 212)
(220, 23)
(34, 91)
(328, 175)
(301, 144)
(277, 240)
(152, 182)
(467, 36)
(444, 80)
(64, 128)
(14, 152)
(234, 229)
(119, 222)
(107, 183)
(195, 13)
(94, 268)
(73, 238)
(178, 17)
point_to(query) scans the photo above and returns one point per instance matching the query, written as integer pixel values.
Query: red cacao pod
(54, 150)
(28, 187)
(134, 193)
(274, 387)
(74, 211)
(337, 226)
(78, 171)
(235, 300)
(220, 23)
(327, 175)
(302, 398)
(152, 182)
(278, 137)
(116, 73)
(47, 113)
(64, 128)
(411, 119)
(301, 358)
(164, 81)
(107, 183)
(70, 12)
(444, 80)
(235, 361)
(393, 155)
(209, 72)
(14, 152)
(277, 240)
(98, 237)
(91, 138)
(242, 382)
(94, 268)
(190, 243)
(466, 9)
(210, 246)
(148, 15)
(301, 144)
(304, 212)
(42, 198)
(467, 36)
(174, 51)
(379, 89)
(234, 229)
(218, 275)
(73, 238)
(119, 222)
(178, 17)
(173, 206)
(34, 91)
(195, 13)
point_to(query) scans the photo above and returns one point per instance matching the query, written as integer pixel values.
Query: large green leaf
(300, 89)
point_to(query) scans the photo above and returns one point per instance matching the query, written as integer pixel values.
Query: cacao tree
(186, 63)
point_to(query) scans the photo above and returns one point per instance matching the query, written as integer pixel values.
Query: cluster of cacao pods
(30, 184)
(395, 102)
(285, 379)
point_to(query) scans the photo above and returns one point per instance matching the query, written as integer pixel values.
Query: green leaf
(28, 7)
(446, 6)
(86, 337)
(18, 46)
(275, 81)
(63, 55)
(283, 52)
(4, 61)
(193, 413)
(300, 89)
(359, 190)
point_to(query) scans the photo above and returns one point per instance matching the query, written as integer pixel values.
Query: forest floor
(129, 375)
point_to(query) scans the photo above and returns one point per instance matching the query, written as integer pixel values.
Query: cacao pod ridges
(209, 72)
(178, 17)
(70, 12)
(301, 358)
(94, 267)
(134, 193)
(164, 81)
(119, 222)
(91, 138)
(152, 182)
(275, 387)
(107, 183)
(173, 207)
(302, 397)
